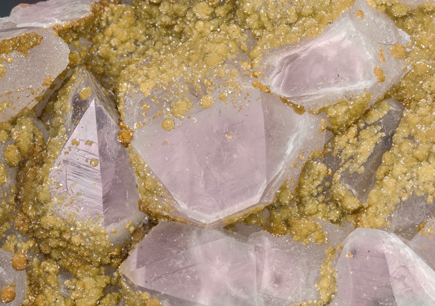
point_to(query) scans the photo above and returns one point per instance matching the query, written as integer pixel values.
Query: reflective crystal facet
(378, 268)
(186, 265)
(224, 159)
(362, 183)
(9, 276)
(92, 176)
(424, 241)
(48, 13)
(27, 76)
(340, 63)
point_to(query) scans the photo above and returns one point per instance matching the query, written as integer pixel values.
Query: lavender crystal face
(343, 62)
(49, 13)
(186, 265)
(362, 183)
(9, 276)
(378, 268)
(27, 76)
(92, 176)
(224, 159)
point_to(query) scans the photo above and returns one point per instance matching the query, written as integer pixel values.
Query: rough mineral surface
(350, 58)
(378, 268)
(16, 280)
(48, 13)
(92, 176)
(225, 156)
(361, 183)
(187, 265)
(25, 73)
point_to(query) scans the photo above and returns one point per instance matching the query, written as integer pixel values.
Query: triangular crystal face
(92, 176)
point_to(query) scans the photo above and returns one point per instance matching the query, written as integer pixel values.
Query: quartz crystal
(92, 176)
(288, 271)
(9, 276)
(408, 215)
(186, 265)
(49, 13)
(27, 75)
(424, 242)
(348, 59)
(378, 268)
(362, 183)
(224, 159)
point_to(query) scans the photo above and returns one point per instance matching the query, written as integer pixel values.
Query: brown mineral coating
(200, 36)
(20, 261)
(7, 294)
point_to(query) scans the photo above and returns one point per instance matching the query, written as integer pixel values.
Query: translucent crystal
(408, 215)
(92, 176)
(27, 76)
(48, 13)
(9, 276)
(226, 158)
(362, 183)
(186, 265)
(340, 63)
(424, 242)
(378, 268)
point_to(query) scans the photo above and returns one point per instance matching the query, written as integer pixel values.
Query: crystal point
(92, 175)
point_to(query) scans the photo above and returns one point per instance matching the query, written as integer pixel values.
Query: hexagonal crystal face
(92, 176)
(348, 59)
(227, 158)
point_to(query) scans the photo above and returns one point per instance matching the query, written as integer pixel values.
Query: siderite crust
(132, 131)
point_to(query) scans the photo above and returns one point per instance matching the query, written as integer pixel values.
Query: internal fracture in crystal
(92, 176)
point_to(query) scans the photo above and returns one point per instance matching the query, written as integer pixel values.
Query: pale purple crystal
(338, 64)
(378, 268)
(225, 159)
(186, 265)
(92, 176)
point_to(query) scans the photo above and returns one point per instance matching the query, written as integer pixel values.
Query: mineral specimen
(30, 62)
(351, 57)
(362, 183)
(186, 265)
(12, 282)
(228, 156)
(92, 176)
(376, 267)
(49, 13)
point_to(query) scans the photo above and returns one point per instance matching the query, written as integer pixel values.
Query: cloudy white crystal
(27, 77)
(48, 13)
(92, 176)
(340, 63)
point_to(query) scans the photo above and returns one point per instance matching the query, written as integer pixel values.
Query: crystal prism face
(48, 13)
(378, 268)
(92, 176)
(186, 265)
(27, 76)
(362, 183)
(424, 241)
(9, 276)
(227, 158)
(344, 61)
